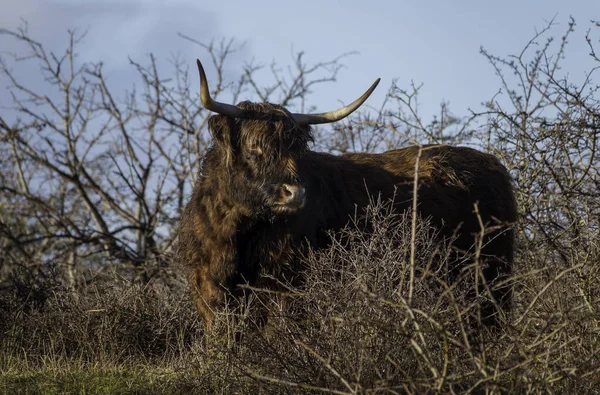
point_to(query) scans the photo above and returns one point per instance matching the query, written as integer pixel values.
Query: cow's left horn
(209, 103)
(332, 116)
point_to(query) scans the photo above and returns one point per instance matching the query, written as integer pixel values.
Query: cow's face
(262, 152)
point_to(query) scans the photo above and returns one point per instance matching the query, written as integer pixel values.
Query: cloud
(115, 30)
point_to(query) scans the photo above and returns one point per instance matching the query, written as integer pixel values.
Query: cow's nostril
(292, 194)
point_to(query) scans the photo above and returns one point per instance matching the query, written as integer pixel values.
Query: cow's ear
(224, 132)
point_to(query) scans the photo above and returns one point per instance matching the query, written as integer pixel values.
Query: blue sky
(432, 42)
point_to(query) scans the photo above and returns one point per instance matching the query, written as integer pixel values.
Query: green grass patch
(81, 380)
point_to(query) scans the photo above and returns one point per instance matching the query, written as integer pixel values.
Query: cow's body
(263, 196)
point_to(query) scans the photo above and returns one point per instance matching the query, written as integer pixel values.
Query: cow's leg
(208, 294)
(496, 272)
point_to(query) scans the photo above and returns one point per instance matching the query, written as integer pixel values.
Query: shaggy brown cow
(262, 195)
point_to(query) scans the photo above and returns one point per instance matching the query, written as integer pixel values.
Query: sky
(436, 43)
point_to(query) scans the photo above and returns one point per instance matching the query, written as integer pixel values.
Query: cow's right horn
(209, 103)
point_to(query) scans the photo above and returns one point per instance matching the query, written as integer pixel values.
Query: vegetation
(93, 184)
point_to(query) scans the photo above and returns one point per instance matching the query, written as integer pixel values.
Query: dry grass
(351, 330)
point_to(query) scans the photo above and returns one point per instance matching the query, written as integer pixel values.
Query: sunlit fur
(233, 231)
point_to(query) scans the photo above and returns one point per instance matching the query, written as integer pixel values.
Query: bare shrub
(110, 323)
(352, 329)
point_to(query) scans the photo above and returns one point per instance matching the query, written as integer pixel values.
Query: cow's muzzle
(292, 196)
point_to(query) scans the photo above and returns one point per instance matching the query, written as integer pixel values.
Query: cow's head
(259, 145)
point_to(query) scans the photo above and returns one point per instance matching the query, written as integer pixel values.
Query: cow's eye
(255, 153)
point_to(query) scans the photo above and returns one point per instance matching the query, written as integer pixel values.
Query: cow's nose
(293, 194)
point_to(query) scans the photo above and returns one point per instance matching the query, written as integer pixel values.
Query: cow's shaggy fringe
(352, 330)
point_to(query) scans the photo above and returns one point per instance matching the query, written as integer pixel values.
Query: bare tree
(96, 178)
(549, 135)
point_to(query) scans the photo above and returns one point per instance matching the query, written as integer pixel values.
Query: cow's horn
(209, 103)
(332, 116)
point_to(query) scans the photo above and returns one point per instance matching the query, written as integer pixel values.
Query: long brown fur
(231, 233)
